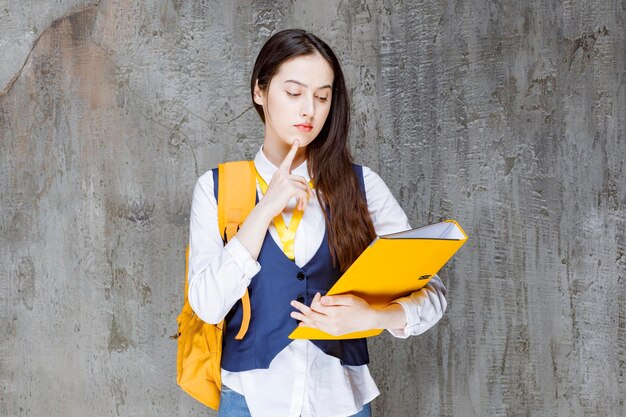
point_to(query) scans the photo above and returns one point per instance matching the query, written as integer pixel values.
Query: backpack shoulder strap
(235, 192)
(236, 195)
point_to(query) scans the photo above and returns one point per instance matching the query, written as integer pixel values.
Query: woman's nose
(308, 107)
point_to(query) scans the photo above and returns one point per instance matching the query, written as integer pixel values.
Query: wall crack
(16, 76)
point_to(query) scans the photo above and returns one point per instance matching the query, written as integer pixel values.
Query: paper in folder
(393, 266)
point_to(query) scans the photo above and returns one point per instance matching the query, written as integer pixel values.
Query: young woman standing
(306, 176)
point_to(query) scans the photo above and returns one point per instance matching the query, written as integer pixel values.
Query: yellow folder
(393, 266)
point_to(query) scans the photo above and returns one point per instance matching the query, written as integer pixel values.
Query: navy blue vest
(278, 282)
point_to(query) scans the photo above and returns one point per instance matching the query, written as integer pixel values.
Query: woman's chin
(301, 141)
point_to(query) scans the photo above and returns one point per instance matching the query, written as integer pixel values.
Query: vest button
(300, 276)
(300, 299)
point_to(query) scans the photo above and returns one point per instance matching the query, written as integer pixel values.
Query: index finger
(285, 165)
(337, 300)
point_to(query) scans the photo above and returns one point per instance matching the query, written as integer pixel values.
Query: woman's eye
(323, 99)
(292, 94)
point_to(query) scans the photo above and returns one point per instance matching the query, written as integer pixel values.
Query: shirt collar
(266, 168)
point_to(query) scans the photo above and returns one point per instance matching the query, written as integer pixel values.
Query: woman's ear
(258, 94)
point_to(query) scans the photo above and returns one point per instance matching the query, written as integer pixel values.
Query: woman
(298, 89)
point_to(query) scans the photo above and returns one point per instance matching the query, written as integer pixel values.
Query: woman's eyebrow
(304, 85)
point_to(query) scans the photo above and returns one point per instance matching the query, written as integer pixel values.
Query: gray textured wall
(507, 116)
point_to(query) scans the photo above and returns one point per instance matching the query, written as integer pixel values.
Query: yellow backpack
(199, 343)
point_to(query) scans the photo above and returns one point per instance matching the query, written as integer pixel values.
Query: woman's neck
(276, 152)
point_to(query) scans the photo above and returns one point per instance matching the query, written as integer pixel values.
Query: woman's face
(297, 102)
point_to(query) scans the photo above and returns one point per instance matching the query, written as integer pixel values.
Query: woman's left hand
(336, 314)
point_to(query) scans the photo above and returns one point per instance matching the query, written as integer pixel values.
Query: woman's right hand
(281, 189)
(284, 186)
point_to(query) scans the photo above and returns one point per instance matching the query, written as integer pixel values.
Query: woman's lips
(304, 128)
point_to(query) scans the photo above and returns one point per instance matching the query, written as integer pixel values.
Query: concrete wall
(507, 116)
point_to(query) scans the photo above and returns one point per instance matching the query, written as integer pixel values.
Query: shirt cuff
(412, 320)
(242, 258)
(423, 308)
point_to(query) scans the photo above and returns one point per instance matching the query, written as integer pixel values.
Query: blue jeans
(233, 404)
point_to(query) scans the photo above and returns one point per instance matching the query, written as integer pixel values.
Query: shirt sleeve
(218, 274)
(425, 307)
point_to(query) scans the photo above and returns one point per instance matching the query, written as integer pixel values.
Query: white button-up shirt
(301, 380)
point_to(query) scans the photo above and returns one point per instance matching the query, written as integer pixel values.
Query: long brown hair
(348, 223)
